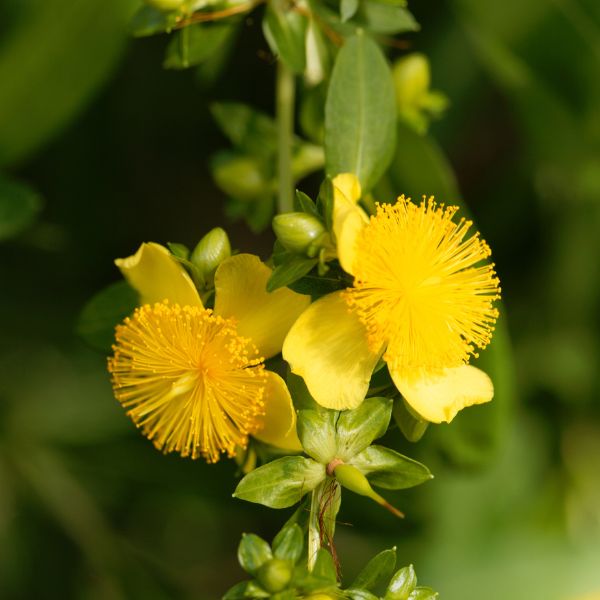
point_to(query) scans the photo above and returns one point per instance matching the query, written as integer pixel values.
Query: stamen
(421, 288)
(188, 380)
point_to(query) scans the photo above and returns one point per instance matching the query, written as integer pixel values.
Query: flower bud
(297, 231)
(275, 575)
(165, 5)
(210, 252)
(411, 80)
(352, 479)
(240, 177)
(402, 584)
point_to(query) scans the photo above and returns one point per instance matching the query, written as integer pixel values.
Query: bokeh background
(117, 150)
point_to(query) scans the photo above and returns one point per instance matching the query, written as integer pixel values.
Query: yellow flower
(192, 378)
(422, 298)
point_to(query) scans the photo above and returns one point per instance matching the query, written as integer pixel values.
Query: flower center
(188, 380)
(417, 288)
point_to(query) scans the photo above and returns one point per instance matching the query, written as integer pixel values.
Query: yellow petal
(240, 283)
(327, 346)
(280, 417)
(156, 276)
(439, 397)
(349, 185)
(348, 218)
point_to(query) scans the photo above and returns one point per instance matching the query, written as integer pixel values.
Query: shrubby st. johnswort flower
(422, 299)
(193, 378)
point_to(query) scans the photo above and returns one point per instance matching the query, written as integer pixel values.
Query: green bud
(165, 5)
(297, 231)
(240, 177)
(411, 80)
(275, 574)
(210, 252)
(402, 584)
(352, 479)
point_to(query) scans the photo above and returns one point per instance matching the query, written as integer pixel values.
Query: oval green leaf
(357, 428)
(316, 430)
(281, 483)
(377, 570)
(289, 543)
(389, 469)
(253, 553)
(360, 112)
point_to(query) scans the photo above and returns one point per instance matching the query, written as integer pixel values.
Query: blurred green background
(117, 149)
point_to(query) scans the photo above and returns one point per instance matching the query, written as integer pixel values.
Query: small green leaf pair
(279, 571)
(377, 573)
(335, 440)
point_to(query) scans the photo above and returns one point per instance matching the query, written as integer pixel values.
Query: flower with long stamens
(422, 299)
(193, 379)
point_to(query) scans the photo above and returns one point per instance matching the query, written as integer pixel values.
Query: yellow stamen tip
(421, 288)
(185, 377)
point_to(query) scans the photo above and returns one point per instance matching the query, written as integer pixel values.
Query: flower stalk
(284, 100)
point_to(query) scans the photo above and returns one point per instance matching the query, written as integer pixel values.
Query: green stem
(285, 92)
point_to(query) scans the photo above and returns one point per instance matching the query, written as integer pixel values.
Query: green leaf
(289, 543)
(179, 250)
(402, 584)
(97, 320)
(389, 469)
(325, 202)
(386, 19)
(411, 425)
(285, 595)
(317, 285)
(378, 569)
(302, 203)
(237, 592)
(290, 271)
(348, 9)
(249, 130)
(19, 206)
(360, 113)
(324, 568)
(285, 31)
(43, 90)
(316, 430)
(281, 483)
(357, 428)
(194, 44)
(300, 394)
(150, 21)
(255, 591)
(355, 594)
(423, 593)
(253, 553)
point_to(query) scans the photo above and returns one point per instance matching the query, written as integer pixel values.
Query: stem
(285, 92)
(324, 507)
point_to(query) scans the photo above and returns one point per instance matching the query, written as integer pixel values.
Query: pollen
(423, 288)
(188, 380)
